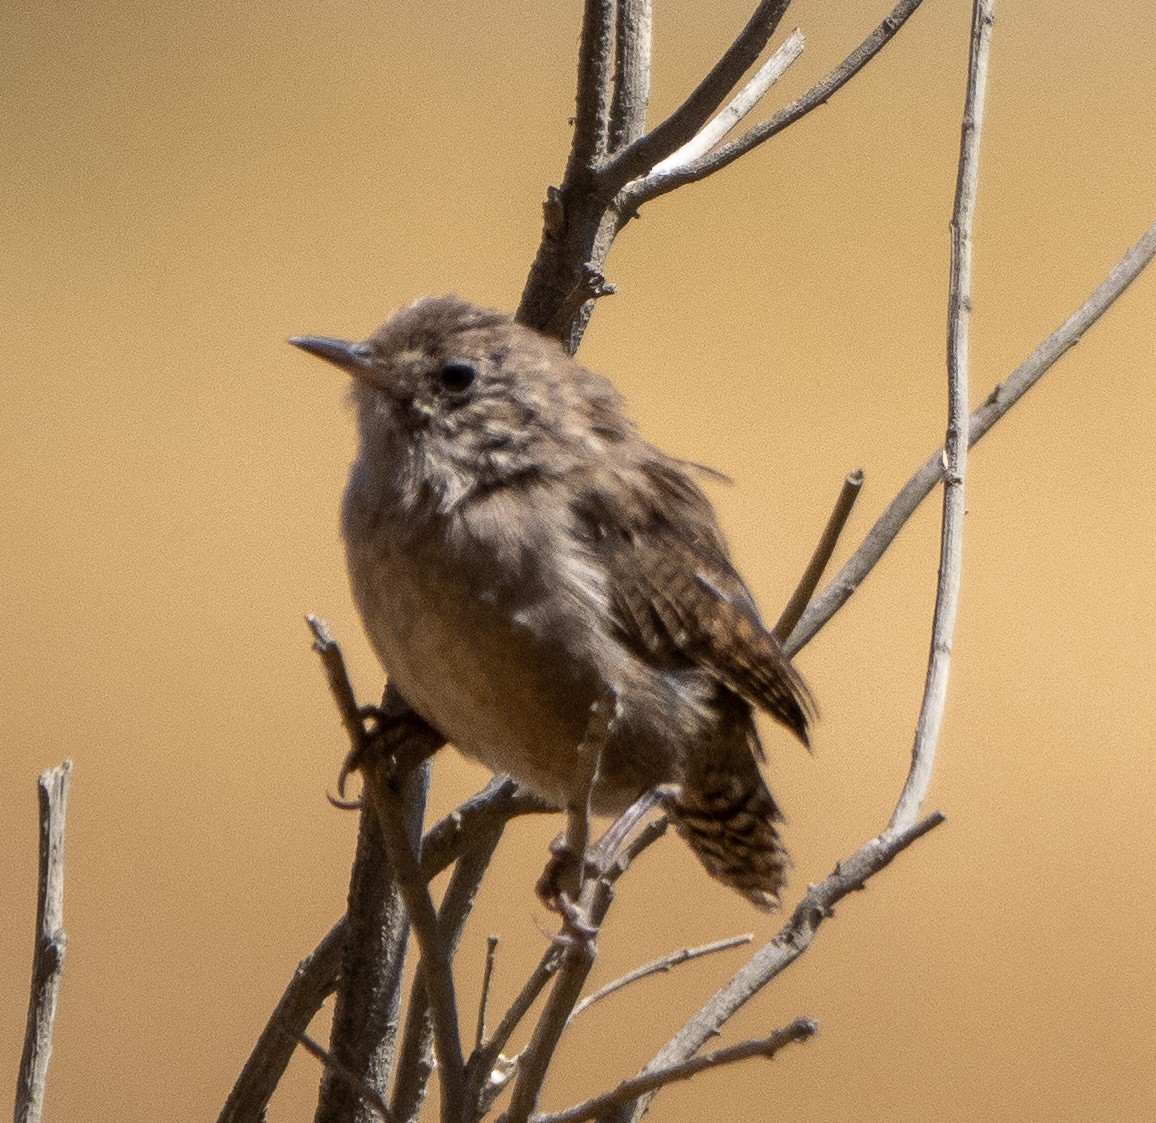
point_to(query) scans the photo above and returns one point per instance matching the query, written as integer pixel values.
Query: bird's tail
(727, 815)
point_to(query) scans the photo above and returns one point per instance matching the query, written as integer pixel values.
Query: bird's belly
(514, 695)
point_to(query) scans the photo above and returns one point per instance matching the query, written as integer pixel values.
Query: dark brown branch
(487, 982)
(998, 403)
(801, 1029)
(649, 187)
(356, 1085)
(637, 159)
(48, 950)
(792, 940)
(313, 982)
(813, 574)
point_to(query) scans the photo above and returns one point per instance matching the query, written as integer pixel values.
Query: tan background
(185, 185)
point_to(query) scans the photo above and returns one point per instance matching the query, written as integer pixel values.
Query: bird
(517, 550)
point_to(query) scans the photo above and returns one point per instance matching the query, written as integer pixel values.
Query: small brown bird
(516, 549)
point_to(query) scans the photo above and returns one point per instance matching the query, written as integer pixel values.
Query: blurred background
(186, 185)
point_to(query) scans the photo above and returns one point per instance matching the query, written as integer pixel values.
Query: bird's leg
(605, 853)
(560, 886)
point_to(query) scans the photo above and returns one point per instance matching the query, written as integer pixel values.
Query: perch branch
(592, 109)
(48, 951)
(997, 405)
(813, 574)
(659, 966)
(801, 1029)
(649, 187)
(955, 445)
(347, 1076)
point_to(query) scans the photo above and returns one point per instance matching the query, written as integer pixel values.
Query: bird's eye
(457, 378)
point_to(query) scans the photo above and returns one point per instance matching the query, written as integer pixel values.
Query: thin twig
(356, 1085)
(955, 446)
(487, 981)
(813, 574)
(313, 982)
(999, 402)
(801, 1029)
(681, 126)
(48, 951)
(631, 73)
(577, 959)
(737, 108)
(649, 187)
(659, 966)
(792, 940)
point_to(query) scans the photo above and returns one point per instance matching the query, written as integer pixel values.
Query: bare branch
(48, 951)
(487, 981)
(681, 126)
(737, 108)
(359, 1087)
(998, 403)
(801, 1029)
(643, 190)
(955, 446)
(631, 73)
(592, 110)
(813, 574)
(792, 940)
(313, 982)
(577, 959)
(659, 966)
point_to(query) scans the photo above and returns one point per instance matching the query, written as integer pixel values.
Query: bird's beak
(354, 358)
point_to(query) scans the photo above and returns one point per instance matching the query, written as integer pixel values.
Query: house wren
(516, 550)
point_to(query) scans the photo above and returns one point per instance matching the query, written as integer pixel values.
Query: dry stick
(955, 446)
(391, 814)
(592, 112)
(658, 966)
(998, 403)
(415, 1059)
(48, 951)
(313, 982)
(682, 125)
(487, 981)
(737, 108)
(651, 186)
(340, 1072)
(792, 940)
(577, 959)
(812, 575)
(801, 1029)
(631, 72)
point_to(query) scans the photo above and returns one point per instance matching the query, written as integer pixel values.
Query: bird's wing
(676, 595)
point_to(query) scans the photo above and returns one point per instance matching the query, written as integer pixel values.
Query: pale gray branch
(681, 126)
(631, 73)
(592, 109)
(997, 405)
(793, 939)
(48, 951)
(801, 1029)
(737, 108)
(647, 187)
(659, 966)
(955, 446)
